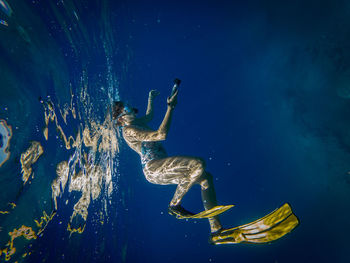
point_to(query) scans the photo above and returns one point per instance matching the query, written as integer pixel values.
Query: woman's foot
(178, 210)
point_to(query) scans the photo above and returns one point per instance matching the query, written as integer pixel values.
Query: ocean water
(264, 100)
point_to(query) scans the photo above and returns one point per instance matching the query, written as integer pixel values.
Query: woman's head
(117, 109)
(123, 112)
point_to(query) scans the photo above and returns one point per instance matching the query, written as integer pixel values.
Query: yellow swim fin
(266, 229)
(216, 210)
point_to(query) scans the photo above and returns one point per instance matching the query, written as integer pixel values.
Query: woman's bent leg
(185, 172)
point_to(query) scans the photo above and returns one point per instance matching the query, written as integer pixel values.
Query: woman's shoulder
(132, 130)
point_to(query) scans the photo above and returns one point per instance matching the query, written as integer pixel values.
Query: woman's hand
(172, 100)
(153, 93)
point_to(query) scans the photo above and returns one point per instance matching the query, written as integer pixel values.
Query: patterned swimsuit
(151, 151)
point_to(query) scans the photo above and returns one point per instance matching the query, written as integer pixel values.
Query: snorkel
(176, 86)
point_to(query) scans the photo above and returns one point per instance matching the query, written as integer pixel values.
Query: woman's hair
(117, 109)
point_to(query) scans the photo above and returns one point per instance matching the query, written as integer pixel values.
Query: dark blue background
(263, 100)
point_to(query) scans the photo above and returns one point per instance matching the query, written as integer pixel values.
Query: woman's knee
(198, 164)
(206, 180)
(198, 168)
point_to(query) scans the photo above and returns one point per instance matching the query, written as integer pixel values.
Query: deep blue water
(264, 100)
